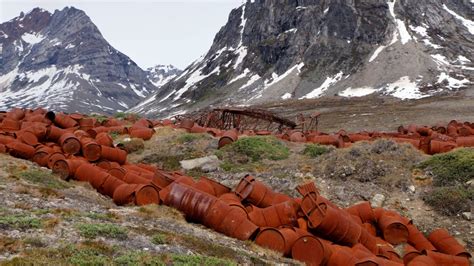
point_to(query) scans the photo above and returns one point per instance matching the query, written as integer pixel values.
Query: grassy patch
(158, 239)
(315, 150)
(189, 137)
(450, 200)
(48, 180)
(21, 222)
(199, 260)
(452, 168)
(139, 258)
(92, 231)
(258, 148)
(101, 216)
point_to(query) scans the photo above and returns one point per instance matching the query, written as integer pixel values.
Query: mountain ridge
(61, 61)
(272, 51)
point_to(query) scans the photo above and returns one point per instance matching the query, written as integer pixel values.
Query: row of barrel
(310, 228)
(429, 139)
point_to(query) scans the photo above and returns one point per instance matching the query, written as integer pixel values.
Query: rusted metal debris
(308, 228)
(246, 119)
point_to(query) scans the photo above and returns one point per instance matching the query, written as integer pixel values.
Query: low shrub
(450, 200)
(315, 150)
(261, 147)
(92, 231)
(452, 168)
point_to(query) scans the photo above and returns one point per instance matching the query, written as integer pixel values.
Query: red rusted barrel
(107, 165)
(16, 114)
(65, 121)
(212, 187)
(257, 193)
(334, 140)
(10, 125)
(21, 150)
(90, 149)
(85, 173)
(393, 227)
(112, 122)
(386, 251)
(439, 146)
(409, 254)
(364, 211)
(417, 239)
(236, 224)
(66, 169)
(193, 203)
(414, 142)
(339, 227)
(114, 154)
(445, 259)
(132, 178)
(4, 139)
(197, 129)
(104, 139)
(284, 213)
(311, 250)
(422, 261)
(70, 143)
(142, 133)
(186, 124)
(54, 133)
(444, 242)
(27, 137)
(368, 240)
(232, 200)
(279, 239)
(110, 185)
(86, 123)
(297, 137)
(342, 255)
(139, 194)
(465, 141)
(229, 137)
(55, 156)
(118, 172)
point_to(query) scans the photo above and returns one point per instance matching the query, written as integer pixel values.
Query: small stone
(377, 201)
(467, 216)
(470, 182)
(412, 188)
(209, 162)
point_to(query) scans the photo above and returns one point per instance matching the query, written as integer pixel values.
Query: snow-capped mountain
(159, 75)
(273, 50)
(61, 61)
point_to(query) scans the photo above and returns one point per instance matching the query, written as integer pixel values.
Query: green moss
(85, 257)
(92, 231)
(452, 168)
(199, 260)
(139, 258)
(19, 221)
(450, 200)
(48, 180)
(315, 150)
(158, 239)
(189, 137)
(258, 148)
(100, 216)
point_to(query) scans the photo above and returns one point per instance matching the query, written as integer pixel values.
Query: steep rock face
(275, 50)
(62, 62)
(159, 75)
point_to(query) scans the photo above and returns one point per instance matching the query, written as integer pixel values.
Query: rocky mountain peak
(279, 50)
(62, 62)
(159, 75)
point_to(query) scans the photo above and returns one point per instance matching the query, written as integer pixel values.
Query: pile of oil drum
(309, 228)
(429, 139)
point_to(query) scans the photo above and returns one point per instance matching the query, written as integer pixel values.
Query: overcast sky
(150, 32)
